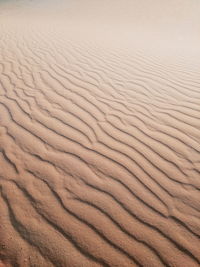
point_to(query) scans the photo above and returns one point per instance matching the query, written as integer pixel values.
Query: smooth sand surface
(99, 133)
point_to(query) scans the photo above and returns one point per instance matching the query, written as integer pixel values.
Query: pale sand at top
(99, 133)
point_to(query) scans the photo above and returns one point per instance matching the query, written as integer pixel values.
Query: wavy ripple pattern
(99, 152)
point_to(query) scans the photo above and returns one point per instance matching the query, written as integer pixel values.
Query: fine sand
(99, 133)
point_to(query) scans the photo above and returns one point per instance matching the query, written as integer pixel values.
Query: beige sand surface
(99, 133)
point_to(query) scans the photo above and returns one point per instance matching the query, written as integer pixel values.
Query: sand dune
(99, 133)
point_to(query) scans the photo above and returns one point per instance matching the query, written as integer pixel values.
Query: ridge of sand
(99, 133)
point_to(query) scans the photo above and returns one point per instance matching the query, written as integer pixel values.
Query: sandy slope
(99, 133)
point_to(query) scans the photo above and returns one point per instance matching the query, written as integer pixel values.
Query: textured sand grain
(99, 133)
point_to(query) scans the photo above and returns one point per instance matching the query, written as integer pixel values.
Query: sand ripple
(99, 148)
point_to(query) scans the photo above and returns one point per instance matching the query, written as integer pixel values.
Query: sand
(99, 133)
